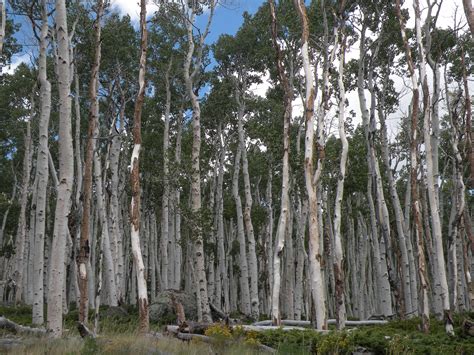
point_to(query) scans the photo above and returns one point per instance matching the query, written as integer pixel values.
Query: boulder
(163, 311)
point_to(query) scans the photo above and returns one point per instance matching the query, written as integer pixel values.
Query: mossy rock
(162, 310)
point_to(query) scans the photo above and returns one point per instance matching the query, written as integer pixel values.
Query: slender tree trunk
(432, 193)
(135, 181)
(403, 241)
(243, 265)
(42, 173)
(269, 239)
(166, 187)
(199, 267)
(114, 203)
(84, 248)
(338, 253)
(66, 174)
(283, 220)
(221, 256)
(382, 265)
(177, 201)
(413, 178)
(22, 225)
(252, 256)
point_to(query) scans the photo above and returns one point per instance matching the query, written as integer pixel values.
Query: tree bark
(166, 187)
(135, 180)
(283, 220)
(84, 247)
(424, 311)
(199, 267)
(432, 193)
(42, 173)
(243, 265)
(21, 235)
(66, 174)
(469, 11)
(338, 253)
(247, 213)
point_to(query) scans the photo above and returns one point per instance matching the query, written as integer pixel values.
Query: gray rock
(162, 309)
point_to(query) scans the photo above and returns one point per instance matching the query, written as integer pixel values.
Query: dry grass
(122, 344)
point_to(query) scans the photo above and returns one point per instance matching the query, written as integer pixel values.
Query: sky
(228, 18)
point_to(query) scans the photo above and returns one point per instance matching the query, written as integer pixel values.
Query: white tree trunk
(338, 253)
(42, 174)
(199, 268)
(135, 181)
(221, 256)
(66, 174)
(440, 263)
(244, 274)
(166, 186)
(19, 274)
(283, 220)
(252, 256)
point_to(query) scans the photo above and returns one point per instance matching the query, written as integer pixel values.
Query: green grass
(118, 336)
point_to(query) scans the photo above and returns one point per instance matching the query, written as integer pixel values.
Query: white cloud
(17, 60)
(132, 8)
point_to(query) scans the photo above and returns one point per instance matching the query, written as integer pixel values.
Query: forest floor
(118, 336)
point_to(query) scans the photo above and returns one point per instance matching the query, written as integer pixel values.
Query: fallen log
(172, 329)
(193, 327)
(210, 340)
(188, 336)
(5, 323)
(263, 328)
(305, 323)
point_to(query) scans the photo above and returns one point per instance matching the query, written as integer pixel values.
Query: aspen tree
(84, 249)
(424, 311)
(41, 172)
(283, 220)
(204, 312)
(57, 272)
(135, 180)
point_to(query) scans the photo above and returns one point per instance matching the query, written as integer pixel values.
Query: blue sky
(227, 19)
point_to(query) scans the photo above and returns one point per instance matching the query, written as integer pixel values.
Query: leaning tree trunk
(41, 173)
(135, 181)
(66, 174)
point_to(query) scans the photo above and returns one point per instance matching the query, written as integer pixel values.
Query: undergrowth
(118, 336)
